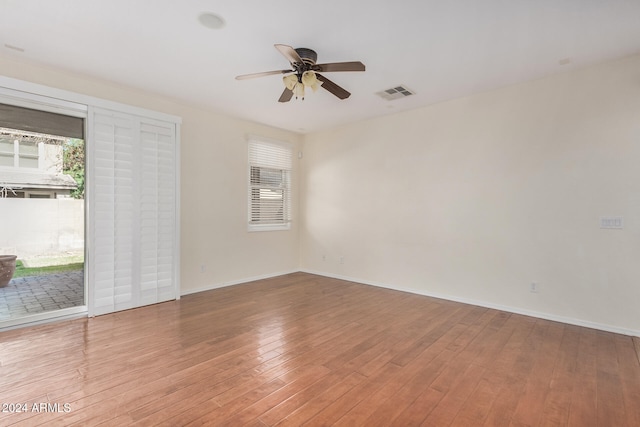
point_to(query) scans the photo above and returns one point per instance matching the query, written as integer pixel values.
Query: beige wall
(476, 198)
(214, 206)
(216, 248)
(471, 199)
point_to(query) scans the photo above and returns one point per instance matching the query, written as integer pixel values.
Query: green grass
(22, 271)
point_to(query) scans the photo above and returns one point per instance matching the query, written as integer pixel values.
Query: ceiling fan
(305, 72)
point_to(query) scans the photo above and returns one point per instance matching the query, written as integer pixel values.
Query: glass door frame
(59, 106)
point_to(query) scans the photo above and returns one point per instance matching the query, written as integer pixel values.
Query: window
(18, 153)
(269, 185)
(27, 154)
(7, 152)
(30, 150)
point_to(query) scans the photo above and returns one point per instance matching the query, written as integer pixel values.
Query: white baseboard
(234, 282)
(486, 304)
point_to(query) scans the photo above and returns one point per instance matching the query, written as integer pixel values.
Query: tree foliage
(73, 164)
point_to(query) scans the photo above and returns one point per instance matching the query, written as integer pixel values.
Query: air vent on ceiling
(395, 93)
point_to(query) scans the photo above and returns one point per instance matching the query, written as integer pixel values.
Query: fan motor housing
(307, 55)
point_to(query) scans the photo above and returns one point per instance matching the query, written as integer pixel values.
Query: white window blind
(270, 201)
(134, 208)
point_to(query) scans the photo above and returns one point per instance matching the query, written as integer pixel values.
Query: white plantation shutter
(133, 206)
(157, 212)
(112, 188)
(269, 192)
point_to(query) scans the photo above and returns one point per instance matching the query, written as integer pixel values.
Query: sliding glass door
(42, 211)
(106, 177)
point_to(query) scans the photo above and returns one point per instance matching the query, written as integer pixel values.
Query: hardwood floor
(307, 350)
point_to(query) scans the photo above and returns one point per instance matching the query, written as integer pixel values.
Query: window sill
(268, 227)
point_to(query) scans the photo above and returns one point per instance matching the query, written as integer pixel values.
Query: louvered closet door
(133, 211)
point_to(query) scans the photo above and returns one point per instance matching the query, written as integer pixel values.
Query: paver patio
(30, 295)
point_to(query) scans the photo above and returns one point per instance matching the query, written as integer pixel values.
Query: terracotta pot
(7, 268)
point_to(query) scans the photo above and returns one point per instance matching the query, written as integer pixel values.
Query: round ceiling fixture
(211, 20)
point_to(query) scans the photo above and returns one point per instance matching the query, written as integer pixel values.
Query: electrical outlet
(341, 260)
(324, 258)
(203, 268)
(612, 222)
(533, 287)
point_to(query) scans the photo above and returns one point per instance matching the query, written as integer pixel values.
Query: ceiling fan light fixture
(304, 72)
(309, 79)
(298, 91)
(297, 83)
(290, 81)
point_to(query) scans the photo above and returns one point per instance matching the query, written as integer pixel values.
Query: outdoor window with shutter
(269, 185)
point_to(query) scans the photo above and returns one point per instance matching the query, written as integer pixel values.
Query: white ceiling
(440, 49)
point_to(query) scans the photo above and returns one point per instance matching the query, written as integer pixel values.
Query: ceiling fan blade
(332, 87)
(266, 73)
(286, 95)
(289, 53)
(339, 66)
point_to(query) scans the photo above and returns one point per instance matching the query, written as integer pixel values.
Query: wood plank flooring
(308, 350)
